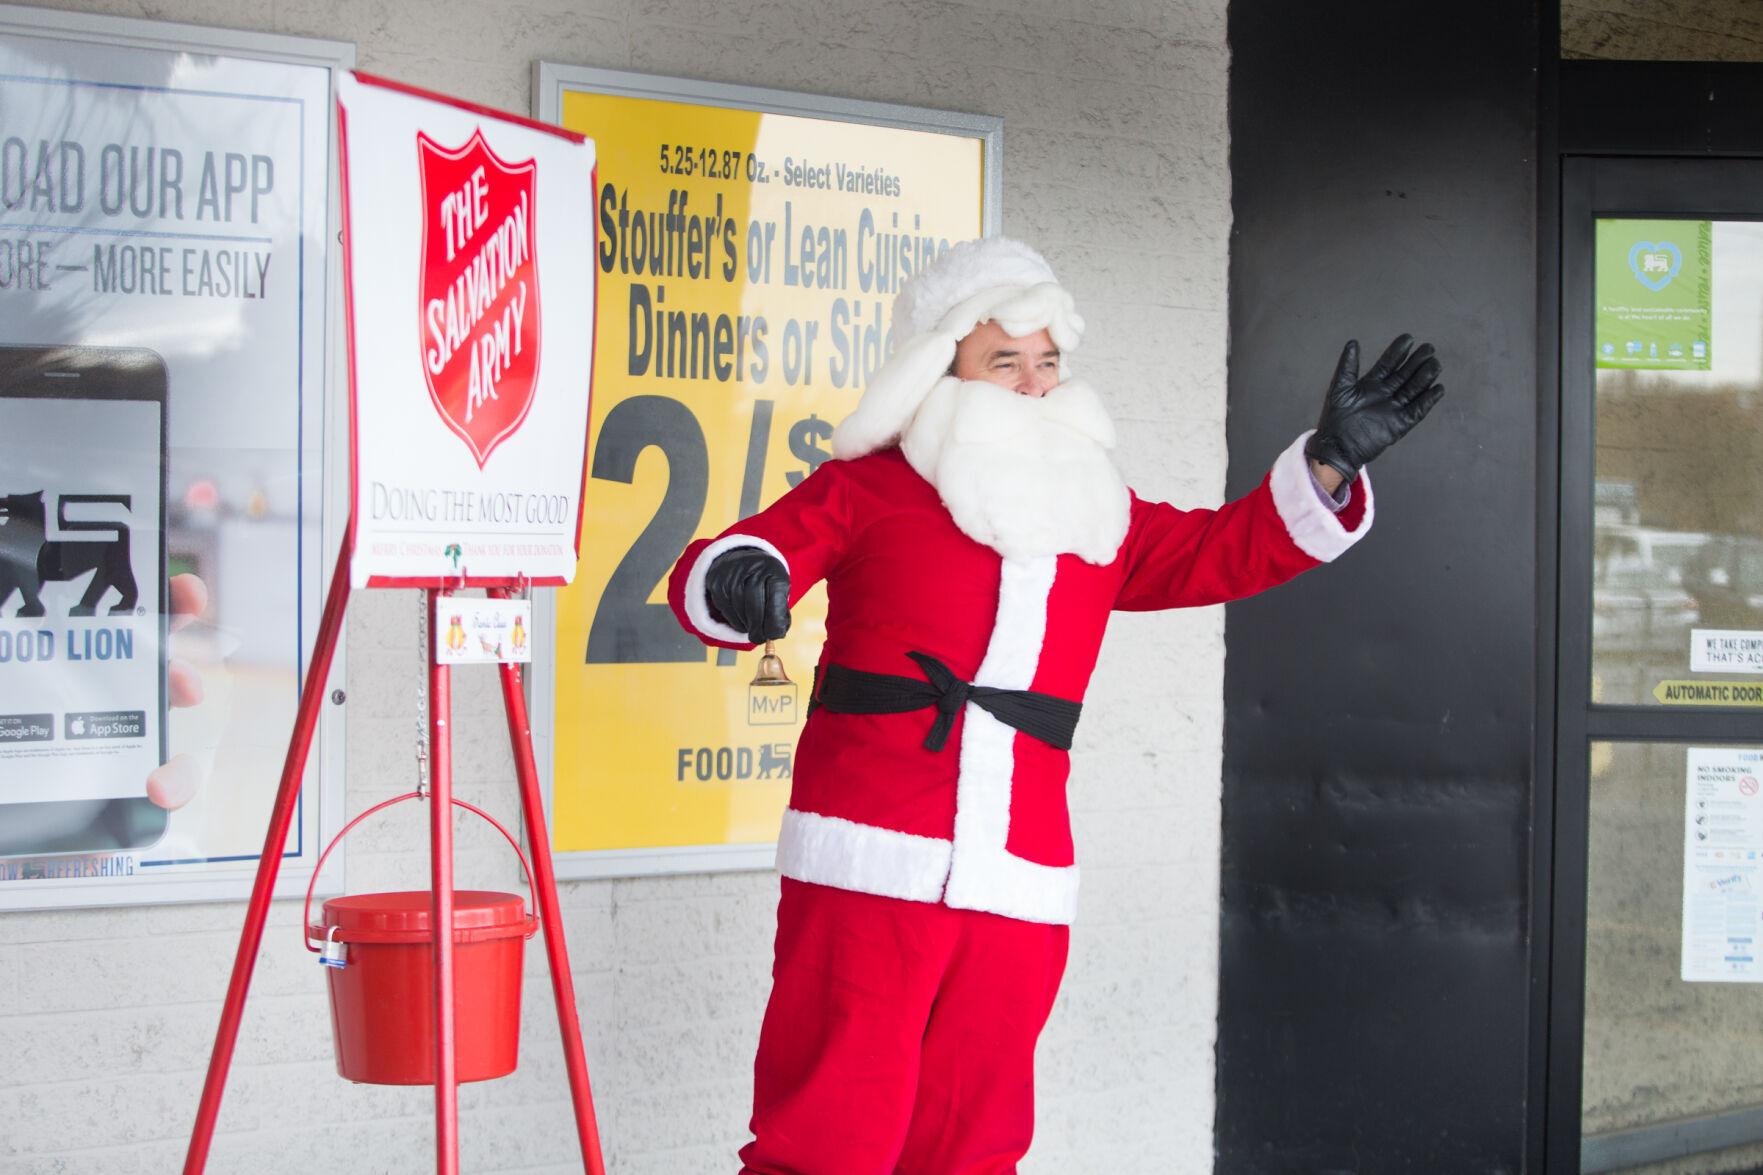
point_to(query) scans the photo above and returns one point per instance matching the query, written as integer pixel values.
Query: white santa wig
(990, 279)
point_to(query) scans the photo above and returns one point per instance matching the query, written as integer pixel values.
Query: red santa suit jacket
(982, 824)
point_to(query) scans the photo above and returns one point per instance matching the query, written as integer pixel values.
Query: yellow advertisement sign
(748, 262)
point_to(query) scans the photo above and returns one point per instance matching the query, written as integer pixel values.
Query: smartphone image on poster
(82, 598)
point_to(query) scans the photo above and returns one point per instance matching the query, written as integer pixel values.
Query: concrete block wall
(1116, 163)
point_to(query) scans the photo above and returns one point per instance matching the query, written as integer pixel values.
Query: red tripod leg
(545, 894)
(274, 842)
(441, 922)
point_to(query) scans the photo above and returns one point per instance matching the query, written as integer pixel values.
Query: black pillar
(1378, 775)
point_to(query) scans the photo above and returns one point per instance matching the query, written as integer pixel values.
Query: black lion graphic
(21, 540)
(29, 558)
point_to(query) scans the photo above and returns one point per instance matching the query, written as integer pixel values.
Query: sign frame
(323, 435)
(551, 82)
(372, 358)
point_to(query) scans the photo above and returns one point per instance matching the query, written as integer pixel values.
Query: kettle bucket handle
(306, 915)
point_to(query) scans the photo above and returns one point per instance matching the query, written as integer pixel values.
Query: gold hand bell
(771, 668)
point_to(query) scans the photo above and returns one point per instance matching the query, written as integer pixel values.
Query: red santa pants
(900, 1037)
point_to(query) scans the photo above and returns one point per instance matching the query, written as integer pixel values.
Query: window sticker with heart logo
(1654, 286)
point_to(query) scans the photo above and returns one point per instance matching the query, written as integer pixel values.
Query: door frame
(1631, 139)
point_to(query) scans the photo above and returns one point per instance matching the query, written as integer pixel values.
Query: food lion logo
(478, 301)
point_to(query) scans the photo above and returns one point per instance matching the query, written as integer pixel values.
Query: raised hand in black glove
(749, 589)
(1364, 415)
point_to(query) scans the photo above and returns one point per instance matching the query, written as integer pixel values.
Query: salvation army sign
(470, 431)
(478, 270)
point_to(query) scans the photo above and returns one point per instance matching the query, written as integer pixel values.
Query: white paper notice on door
(1722, 888)
(1725, 650)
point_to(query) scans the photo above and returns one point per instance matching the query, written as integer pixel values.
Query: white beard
(1027, 477)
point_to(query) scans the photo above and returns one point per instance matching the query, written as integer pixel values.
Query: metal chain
(423, 636)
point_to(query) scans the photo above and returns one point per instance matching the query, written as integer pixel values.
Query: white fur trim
(1019, 310)
(1313, 527)
(698, 604)
(982, 874)
(1014, 651)
(830, 850)
(957, 274)
(1014, 888)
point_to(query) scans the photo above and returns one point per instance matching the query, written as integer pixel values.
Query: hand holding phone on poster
(175, 782)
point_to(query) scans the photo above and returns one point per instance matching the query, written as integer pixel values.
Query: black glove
(749, 589)
(1361, 417)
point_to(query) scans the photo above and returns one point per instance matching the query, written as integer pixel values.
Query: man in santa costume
(974, 536)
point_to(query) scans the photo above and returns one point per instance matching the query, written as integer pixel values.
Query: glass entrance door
(1659, 815)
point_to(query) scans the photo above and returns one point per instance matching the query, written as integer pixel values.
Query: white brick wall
(1117, 166)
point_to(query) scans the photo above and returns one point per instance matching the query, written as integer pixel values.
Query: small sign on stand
(470, 297)
(483, 632)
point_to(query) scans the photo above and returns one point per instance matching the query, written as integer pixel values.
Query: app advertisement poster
(1654, 284)
(750, 246)
(1722, 888)
(163, 262)
(470, 272)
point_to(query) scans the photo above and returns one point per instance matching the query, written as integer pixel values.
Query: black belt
(856, 691)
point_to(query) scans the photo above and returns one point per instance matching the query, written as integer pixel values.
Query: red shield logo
(478, 295)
